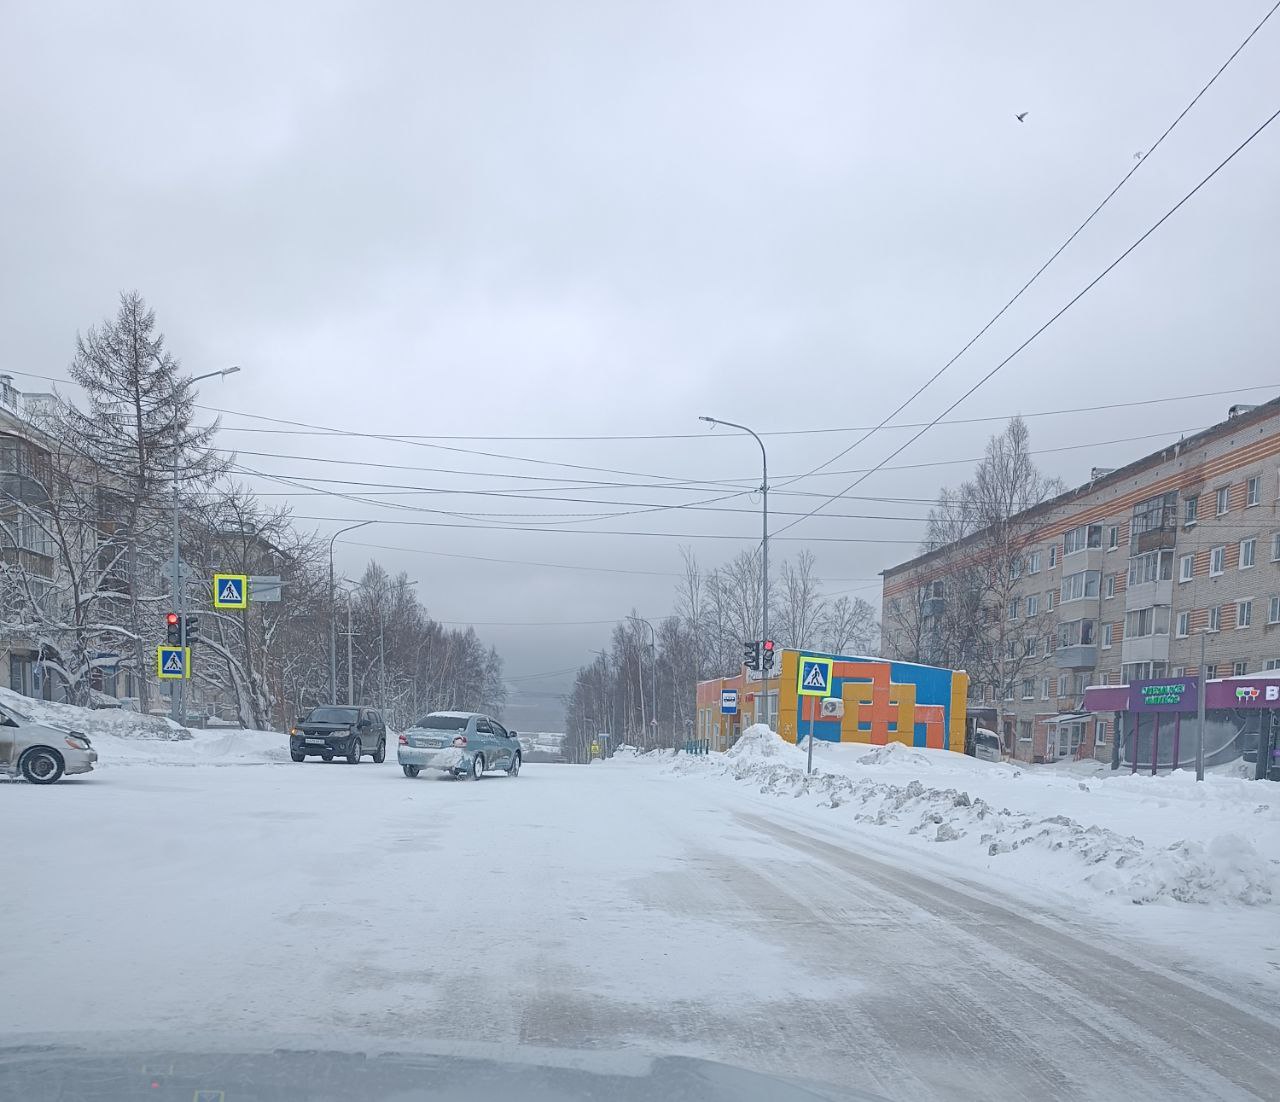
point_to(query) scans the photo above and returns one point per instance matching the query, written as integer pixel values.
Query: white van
(986, 745)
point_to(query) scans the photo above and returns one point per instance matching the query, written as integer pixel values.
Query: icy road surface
(587, 907)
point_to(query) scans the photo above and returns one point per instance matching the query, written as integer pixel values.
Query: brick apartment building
(1121, 579)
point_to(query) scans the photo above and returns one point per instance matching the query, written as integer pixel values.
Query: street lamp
(333, 616)
(653, 660)
(177, 701)
(764, 541)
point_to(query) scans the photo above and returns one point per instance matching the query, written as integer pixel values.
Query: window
(1107, 630)
(1273, 613)
(1178, 671)
(1081, 682)
(1063, 683)
(1033, 605)
(1217, 561)
(1223, 497)
(1030, 647)
(1078, 539)
(1099, 732)
(1184, 625)
(1211, 670)
(1049, 599)
(1016, 565)
(1053, 556)
(1253, 489)
(1239, 669)
(1011, 648)
(1024, 731)
(1013, 608)
(1050, 639)
(1033, 563)
(1248, 550)
(1244, 614)
(1046, 688)
(1075, 633)
(1142, 622)
(1192, 507)
(1080, 585)
(1215, 618)
(1009, 691)
(1271, 664)
(1275, 547)
(1155, 513)
(1111, 586)
(1151, 567)
(1028, 688)
(1186, 568)
(1113, 537)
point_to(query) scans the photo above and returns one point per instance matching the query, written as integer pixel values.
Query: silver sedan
(462, 744)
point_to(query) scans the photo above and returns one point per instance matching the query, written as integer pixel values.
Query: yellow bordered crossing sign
(231, 591)
(814, 676)
(173, 663)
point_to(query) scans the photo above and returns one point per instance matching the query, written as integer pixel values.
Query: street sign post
(728, 702)
(813, 678)
(173, 663)
(264, 587)
(231, 591)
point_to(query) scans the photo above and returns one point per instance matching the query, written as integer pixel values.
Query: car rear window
(443, 723)
(333, 715)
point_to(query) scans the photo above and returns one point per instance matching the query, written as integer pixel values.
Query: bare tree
(849, 627)
(802, 609)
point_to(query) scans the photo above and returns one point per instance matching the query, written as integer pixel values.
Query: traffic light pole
(764, 549)
(177, 695)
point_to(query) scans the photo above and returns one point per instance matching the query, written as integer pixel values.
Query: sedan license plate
(315, 742)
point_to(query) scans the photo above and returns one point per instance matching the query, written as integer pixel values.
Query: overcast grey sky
(594, 218)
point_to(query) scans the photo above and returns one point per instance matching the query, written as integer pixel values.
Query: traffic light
(767, 655)
(192, 625)
(173, 629)
(751, 655)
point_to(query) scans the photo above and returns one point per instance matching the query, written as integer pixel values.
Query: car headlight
(76, 742)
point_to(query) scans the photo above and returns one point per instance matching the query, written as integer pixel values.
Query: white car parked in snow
(41, 753)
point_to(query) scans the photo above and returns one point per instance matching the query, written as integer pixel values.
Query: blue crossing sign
(173, 663)
(728, 702)
(814, 676)
(231, 591)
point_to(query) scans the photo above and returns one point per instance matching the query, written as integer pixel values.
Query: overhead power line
(1056, 253)
(1053, 318)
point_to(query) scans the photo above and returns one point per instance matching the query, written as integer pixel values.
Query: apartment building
(1123, 578)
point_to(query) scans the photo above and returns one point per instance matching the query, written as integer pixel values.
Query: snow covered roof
(457, 715)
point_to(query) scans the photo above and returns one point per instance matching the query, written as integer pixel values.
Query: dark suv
(339, 730)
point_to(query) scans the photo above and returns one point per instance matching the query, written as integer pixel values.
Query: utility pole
(178, 699)
(764, 545)
(351, 679)
(1200, 695)
(333, 615)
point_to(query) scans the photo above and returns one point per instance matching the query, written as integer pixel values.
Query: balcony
(1155, 540)
(1142, 594)
(1082, 656)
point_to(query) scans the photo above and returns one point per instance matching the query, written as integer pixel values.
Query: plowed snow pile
(1144, 839)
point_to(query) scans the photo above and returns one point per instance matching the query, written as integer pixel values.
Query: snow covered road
(603, 907)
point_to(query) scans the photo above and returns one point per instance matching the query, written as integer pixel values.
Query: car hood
(113, 1069)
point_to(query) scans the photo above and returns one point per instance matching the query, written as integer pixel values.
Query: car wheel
(477, 767)
(411, 770)
(297, 755)
(353, 751)
(41, 765)
(513, 770)
(380, 754)
(327, 755)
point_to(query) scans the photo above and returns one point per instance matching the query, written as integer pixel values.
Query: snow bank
(1144, 840)
(95, 722)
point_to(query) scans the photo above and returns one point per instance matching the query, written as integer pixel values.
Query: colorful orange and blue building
(884, 701)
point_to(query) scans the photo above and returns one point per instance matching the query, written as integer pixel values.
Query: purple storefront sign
(1239, 692)
(1164, 694)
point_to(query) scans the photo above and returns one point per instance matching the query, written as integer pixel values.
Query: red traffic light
(171, 619)
(768, 644)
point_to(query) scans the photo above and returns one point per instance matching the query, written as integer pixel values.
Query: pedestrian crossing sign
(173, 663)
(230, 591)
(814, 677)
